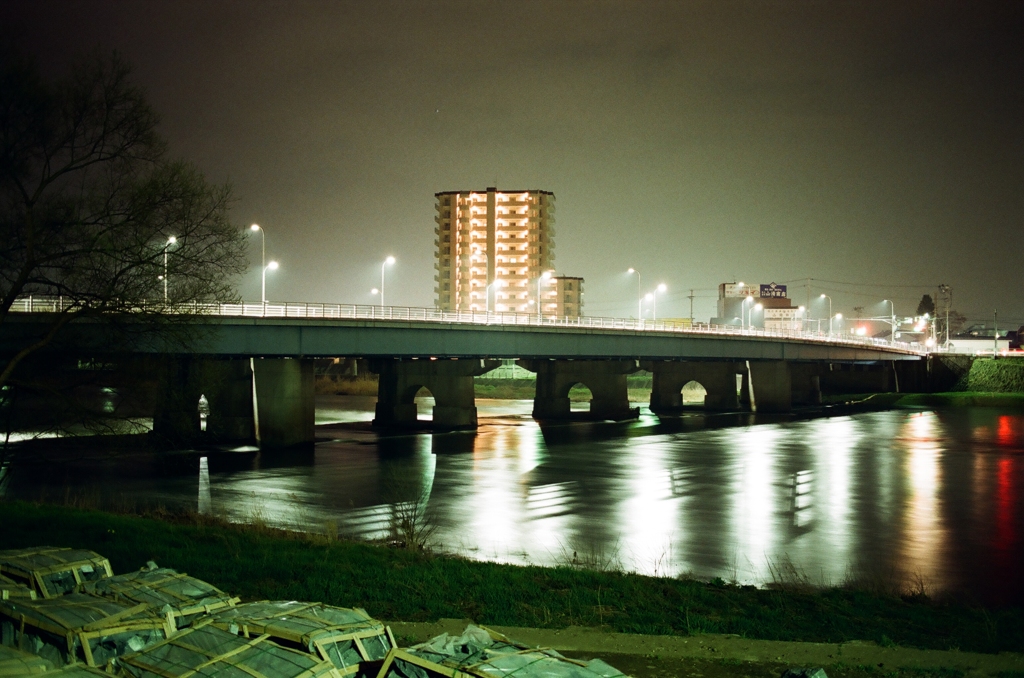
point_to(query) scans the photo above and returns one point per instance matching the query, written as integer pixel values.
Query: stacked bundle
(482, 653)
(158, 623)
(52, 572)
(178, 596)
(348, 638)
(79, 627)
(208, 651)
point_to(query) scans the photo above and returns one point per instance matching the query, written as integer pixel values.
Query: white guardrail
(37, 304)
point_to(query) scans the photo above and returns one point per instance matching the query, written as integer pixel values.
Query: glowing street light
(744, 314)
(653, 298)
(271, 266)
(825, 296)
(387, 262)
(546, 275)
(639, 296)
(170, 241)
(892, 323)
(750, 314)
(494, 285)
(263, 257)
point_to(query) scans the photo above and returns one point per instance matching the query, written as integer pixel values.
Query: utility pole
(946, 295)
(691, 308)
(995, 334)
(808, 305)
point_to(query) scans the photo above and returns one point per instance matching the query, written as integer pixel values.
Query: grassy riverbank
(917, 400)
(396, 584)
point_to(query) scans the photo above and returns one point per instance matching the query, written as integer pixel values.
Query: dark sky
(877, 145)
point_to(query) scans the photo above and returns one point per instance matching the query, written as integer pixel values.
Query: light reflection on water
(893, 496)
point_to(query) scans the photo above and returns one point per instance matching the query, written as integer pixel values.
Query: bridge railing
(39, 304)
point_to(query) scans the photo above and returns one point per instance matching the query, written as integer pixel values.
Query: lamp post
(388, 261)
(495, 284)
(170, 241)
(263, 258)
(838, 316)
(892, 322)
(802, 310)
(653, 298)
(744, 313)
(271, 266)
(825, 296)
(639, 296)
(750, 314)
(546, 275)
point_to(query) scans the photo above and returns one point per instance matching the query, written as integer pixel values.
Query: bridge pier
(284, 401)
(450, 382)
(806, 383)
(227, 386)
(669, 377)
(280, 415)
(606, 380)
(771, 386)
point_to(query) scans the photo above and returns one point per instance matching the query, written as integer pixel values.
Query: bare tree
(94, 213)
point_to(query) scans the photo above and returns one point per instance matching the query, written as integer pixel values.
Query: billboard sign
(772, 290)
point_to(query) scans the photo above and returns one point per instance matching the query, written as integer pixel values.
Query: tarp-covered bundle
(481, 653)
(17, 663)
(53, 571)
(181, 597)
(79, 627)
(345, 636)
(210, 652)
(12, 589)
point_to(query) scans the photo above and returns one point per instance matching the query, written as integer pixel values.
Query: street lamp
(263, 259)
(839, 316)
(892, 322)
(744, 313)
(653, 298)
(801, 310)
(825, 296)
(271, 266)
(388, 261)
(546, 275)
(750, 314)
(639, 296)
(170, 241)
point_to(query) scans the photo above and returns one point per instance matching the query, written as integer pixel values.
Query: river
(928, 499)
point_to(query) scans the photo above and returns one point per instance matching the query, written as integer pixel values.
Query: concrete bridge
(253, 362)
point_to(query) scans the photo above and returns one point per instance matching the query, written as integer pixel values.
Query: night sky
(876, 147)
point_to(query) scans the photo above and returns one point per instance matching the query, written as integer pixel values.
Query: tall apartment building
(493, 248)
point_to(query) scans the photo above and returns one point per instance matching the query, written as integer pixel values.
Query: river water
(926, 498)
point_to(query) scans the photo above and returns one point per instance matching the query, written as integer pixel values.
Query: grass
(397, 584)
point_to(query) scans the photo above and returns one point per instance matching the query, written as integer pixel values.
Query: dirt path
(715, 656)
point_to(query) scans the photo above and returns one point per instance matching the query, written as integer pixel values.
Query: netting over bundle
(12, 589)
(485, 654)
(181, 597)
(17, 663)
(53, 571)
(345, 636)
(79, 627)
(210, 652)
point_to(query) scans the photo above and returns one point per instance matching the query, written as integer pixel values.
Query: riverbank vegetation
(405, 585)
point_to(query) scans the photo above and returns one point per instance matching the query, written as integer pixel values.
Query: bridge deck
(330, 330)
